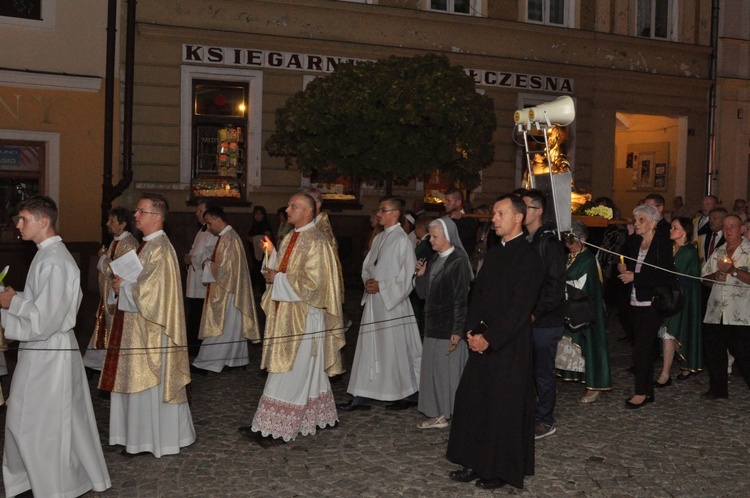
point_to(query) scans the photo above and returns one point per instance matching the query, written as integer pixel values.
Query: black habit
(492, 431)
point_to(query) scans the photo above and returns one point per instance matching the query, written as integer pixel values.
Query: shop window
(654, 18)
(219, 150)
(468, 7)
(21, 176)
(551, 12)
(220, 132)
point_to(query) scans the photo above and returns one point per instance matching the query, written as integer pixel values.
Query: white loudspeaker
(560, 112)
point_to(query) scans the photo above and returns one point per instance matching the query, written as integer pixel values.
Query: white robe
(299, 401)
(141, 421)
(51, 440)
(229, 348)
(387, 360)
(202, 248)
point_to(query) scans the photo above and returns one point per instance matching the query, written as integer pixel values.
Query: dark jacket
(549, 310)
(660, 254)
(446, 302)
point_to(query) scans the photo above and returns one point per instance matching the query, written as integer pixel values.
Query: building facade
(209, 76)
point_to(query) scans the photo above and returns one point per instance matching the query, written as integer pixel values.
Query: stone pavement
(681, 446)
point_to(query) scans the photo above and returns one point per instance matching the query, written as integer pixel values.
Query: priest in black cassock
(492, 431)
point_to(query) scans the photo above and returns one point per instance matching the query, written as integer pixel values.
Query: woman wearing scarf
(444, 283)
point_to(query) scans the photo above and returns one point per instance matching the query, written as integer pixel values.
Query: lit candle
(622, 259)
(265, 251)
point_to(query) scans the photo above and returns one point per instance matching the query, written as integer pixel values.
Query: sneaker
(543, 430)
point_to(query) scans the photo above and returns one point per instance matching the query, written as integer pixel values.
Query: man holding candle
(303, 336)
(51, 440)
(229, 317)
(726, 324)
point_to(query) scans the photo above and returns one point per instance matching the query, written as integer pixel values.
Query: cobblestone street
(681, 446)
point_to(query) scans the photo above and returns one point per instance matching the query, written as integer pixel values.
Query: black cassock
(492, 431)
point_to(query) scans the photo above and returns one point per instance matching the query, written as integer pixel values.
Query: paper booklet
(127, 266)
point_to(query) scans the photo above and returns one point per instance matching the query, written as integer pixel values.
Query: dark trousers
(545, 350)
(646, 323)
(717, 338)
(193, 324)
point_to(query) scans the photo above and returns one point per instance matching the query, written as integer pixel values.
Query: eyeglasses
(384, 210)
(139, 210)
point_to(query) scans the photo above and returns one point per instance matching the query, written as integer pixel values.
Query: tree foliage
(393, 118)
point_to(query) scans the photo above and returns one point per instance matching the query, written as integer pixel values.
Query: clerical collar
(124, 234)
(152, 236)
(503, 242)
(48, 242)
(225, 230)
(447, 252)
(306, 227)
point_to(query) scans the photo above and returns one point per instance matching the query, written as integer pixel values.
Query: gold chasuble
(324, 225)
(232, 277)
(105, 311)
(311, 272)
(137, 364)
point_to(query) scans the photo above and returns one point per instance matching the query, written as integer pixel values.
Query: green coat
(591, 338)
(685, 326)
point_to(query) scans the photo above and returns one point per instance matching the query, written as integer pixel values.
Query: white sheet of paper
(127, 266)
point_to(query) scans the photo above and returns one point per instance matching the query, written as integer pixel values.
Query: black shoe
(91, 373)
(666, 384)
(490, 483)
(350, 407)
(399, 405)
(464, 475)
(686, 374)
(635, 406)
(198, 371)
(125, 453)
(713, 395)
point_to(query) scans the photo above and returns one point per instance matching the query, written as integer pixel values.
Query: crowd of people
(467, 317)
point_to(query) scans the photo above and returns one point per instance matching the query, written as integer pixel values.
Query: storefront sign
(227, 56)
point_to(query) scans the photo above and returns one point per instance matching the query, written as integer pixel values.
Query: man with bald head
(304, 335)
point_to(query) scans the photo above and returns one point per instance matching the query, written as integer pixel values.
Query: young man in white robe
(304, 333)
(51, 440)
(389, 351)
(229, 317)
(147, 367)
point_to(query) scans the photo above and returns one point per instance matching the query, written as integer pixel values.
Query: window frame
(253, 123)
(476, 8)
(569, 14)
(47, 23)
(672, 20)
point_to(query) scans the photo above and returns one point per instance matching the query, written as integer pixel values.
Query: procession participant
(195, 289)
(388, 355)
(51, 440)
(229, 317)
(147, 366)
(303, 337)
(492, 431)
(119, 223)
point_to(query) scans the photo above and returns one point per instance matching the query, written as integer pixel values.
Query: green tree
(389, 119)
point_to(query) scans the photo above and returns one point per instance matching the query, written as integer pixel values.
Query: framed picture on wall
(650, 165)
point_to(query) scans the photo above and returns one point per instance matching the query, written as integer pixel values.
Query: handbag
(579, 308)
(569, 356)
(668, 299)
